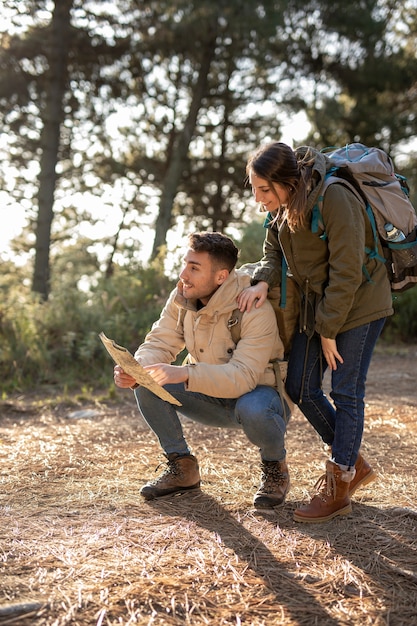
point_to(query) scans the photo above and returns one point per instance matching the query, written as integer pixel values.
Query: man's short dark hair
(221, 248)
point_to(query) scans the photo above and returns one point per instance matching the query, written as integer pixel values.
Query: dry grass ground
(78, 545)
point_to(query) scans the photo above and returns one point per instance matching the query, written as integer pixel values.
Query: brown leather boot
(332, 497)
(181, 475)
(364, 475)
(275, 482)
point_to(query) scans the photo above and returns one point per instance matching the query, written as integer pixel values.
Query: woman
(346, 297)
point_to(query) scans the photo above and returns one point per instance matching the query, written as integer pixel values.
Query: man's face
(199, 278)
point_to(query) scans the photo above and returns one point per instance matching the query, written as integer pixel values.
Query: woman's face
(271, 198)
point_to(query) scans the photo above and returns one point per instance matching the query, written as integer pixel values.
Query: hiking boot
(275, 482)
(332, 497)
(181, 475)
(364, 475)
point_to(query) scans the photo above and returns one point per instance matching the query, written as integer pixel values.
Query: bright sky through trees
(12, 215)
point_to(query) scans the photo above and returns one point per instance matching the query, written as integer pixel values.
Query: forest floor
(79, 546)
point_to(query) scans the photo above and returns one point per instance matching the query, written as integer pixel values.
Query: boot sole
(259, 506)
(316, 520)
(265, 505)
(171, 492)
(365, 481)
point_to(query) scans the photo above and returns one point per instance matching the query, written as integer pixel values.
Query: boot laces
(325, 487)
(271, 477)
(173, 468)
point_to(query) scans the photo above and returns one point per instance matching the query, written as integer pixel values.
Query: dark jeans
(340, 425)
(259, 413)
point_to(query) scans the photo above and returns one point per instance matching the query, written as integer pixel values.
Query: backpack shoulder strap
(234, 324)
(334, 176)
(317, 222)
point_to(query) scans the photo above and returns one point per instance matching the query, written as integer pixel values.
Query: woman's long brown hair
(278, 163)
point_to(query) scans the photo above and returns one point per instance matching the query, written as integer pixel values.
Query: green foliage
(175, 138)
(131, 301)
(56, 342)
(403, 324)
(251, 242)
(158, 123)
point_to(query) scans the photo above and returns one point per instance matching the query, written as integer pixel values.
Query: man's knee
(263, 409)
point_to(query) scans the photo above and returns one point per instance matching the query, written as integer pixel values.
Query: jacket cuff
(262, 275)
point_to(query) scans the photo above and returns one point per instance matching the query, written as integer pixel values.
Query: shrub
(57, 341)
(403, 324)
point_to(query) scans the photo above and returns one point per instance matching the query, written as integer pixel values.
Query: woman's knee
(293, 389)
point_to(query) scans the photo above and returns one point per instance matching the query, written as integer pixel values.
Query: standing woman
(346, 297)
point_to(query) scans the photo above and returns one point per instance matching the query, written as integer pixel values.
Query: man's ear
(222, 276)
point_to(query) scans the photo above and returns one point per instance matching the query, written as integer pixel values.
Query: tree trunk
(50, 141)
(180, 151)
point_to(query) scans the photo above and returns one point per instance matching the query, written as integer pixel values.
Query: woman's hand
(330, 352)
(257, 294)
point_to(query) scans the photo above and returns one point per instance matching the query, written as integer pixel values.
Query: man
(222, 384)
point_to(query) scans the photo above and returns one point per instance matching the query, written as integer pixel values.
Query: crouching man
(224, 384)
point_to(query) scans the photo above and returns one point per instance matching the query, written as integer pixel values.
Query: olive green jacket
(345, 287)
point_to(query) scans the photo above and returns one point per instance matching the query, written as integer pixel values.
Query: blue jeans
(259, 413)
(340, 425)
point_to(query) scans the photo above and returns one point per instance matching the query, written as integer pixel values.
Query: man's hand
(165, 374)
(330, 352)
(257, 294)
(121, 379)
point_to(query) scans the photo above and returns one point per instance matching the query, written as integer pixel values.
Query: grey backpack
(369, 173)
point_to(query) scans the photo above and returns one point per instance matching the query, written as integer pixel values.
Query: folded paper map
(121, 356)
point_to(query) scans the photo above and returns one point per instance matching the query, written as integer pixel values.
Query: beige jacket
(217, 367)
